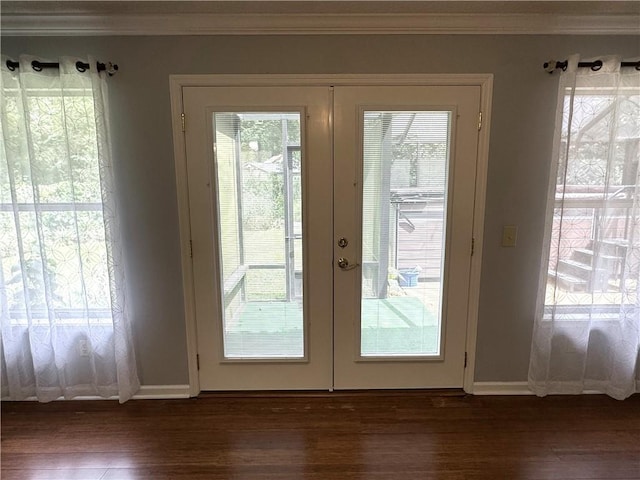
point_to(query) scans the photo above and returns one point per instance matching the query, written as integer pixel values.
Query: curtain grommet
(111, 68)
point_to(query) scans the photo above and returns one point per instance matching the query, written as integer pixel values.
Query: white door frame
(179, 123)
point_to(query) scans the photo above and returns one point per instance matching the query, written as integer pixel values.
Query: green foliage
(262, 201)
(30, 280)
(268, 135)
(419, 155)
(589, 164)
(265, 285)
(56, 170)
(263, 181)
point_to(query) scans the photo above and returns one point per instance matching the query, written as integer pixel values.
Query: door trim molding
(178, 82)
(303, 80)
(482, 164)
(184, 223)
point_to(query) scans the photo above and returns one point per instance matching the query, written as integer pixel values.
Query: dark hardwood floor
(382, 436)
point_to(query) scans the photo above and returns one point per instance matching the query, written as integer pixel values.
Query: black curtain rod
(110, 68)
(552, 65)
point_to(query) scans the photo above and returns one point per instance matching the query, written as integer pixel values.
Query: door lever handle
(343, 263)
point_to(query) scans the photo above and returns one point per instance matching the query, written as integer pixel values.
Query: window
(595, 226)
(587, 332)
(53, 249)
(64, 328)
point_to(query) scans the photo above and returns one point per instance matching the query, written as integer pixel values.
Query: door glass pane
(259, 199)
(404, 204)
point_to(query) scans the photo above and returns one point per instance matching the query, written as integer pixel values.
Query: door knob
(343, 263)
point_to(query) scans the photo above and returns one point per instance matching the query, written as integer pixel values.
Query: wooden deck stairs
(579, 274)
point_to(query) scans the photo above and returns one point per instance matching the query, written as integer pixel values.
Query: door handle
(343, 263)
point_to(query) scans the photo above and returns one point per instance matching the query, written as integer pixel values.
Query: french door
(259, 175)
(331, 234)
(404, 192)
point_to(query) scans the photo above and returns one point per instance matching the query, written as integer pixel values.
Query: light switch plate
(509, 235)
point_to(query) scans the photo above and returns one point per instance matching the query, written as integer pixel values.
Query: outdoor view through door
(405, 172)
(258, 167)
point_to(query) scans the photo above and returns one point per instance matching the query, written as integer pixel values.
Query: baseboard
(151, 392)
(501, 388)
(146, 392)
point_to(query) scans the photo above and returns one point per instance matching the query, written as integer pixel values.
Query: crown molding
(298, 24)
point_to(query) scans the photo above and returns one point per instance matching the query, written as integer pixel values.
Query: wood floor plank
(54, 474)
(412, 436)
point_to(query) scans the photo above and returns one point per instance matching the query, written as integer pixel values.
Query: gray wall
(521, 138)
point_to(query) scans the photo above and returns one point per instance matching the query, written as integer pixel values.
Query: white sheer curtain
(587, 328)
(62, 313)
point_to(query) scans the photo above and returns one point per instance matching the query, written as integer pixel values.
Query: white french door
(259, 176)
(331, 234)
(404, 188)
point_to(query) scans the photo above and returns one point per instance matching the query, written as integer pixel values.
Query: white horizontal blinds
(405, 172)
(259, 197)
